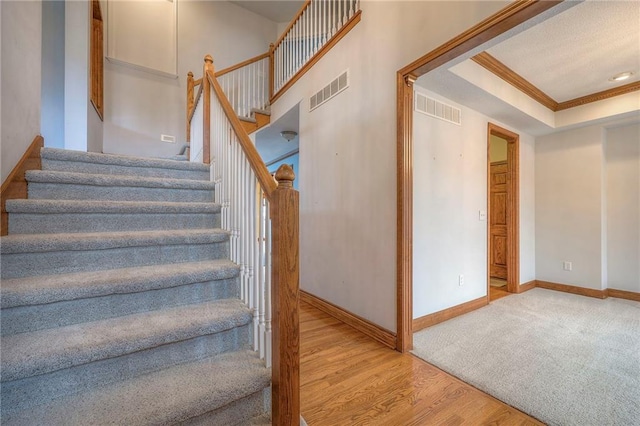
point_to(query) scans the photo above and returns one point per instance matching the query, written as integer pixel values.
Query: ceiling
(276, 11)
(587, 44)
(568, 52)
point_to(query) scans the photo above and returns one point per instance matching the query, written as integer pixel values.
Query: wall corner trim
(527, 286)
(364, 326)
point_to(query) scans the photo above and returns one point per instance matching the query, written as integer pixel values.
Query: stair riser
(239, 412)
(84, 377)
(108, 169)
(59, 191)
(29, 223)
(39, 317)
(16, 265)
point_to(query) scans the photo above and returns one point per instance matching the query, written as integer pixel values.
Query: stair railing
(261, 214)
(319, 23)
(247, 85)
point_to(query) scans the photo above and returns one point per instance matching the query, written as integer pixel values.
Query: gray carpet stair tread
(38, 352)
(92, 206)
(248, 119)
(119, 160)
(165, 397)
(56, 288)
(39, 243)
(45, 176)
(261, 111)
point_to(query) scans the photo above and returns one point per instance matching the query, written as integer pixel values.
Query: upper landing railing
(261, 213)
(318, 24)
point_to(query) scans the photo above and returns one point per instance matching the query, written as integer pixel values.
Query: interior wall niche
(143, 35)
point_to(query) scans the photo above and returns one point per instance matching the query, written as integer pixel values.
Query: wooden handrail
(284, 214)
(242, 64)
(292, 23)
(197, 82)
(262, 174)
(195, 102)
(190, 104)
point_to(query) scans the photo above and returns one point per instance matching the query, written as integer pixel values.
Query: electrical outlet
(460, 280)
(567, 266)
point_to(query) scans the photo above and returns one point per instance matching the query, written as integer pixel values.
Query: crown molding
(496, 67)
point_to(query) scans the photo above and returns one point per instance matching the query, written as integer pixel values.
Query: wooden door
(498, 220)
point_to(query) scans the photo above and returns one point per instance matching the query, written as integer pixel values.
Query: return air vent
(437, 109)
(338, 84)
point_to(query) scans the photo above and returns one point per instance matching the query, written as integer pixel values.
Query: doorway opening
(503, 250)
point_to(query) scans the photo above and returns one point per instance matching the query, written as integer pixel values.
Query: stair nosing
(120, 336)
(44, 206)
(42, 243)
(45, 289)
(120, 160)
(97, 179)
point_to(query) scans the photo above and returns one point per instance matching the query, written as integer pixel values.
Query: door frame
(505, 19)
(513, 207)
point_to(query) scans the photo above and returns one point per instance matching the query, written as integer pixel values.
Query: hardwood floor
(349, 379)
(496, 293)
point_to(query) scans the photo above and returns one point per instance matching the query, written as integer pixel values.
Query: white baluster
(268, 289)
(261, 277)
(307, 35)
(351, 8)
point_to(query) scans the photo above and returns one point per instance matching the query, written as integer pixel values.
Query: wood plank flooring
(496, 293)
(349, 379)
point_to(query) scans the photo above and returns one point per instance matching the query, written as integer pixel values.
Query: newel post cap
(190, 74)
(285, 176)
(208, 58)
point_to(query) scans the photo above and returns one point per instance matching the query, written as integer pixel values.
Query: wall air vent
(437, 109)
(338, 84)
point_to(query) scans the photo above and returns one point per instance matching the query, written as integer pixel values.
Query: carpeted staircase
(119, 302)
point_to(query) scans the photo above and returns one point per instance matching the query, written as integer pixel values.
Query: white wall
(623, 207)
(569, 196)
(140, 106)
(21, 79)
(53, 18)
(348, 152)
(82, 126)
(450, 189)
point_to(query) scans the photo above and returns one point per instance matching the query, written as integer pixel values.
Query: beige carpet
(562, 358)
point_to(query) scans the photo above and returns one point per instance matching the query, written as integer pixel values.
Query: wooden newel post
(206, 111)
(271, 70)
(285, 285)
(190, 101)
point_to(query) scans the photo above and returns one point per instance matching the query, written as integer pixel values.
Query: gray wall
(623, 207)
(139, 106)
(569, 210)
(449, 191)
(348, 167)
(82, 126)
(588, 207)
(53, 79)
(20, 79)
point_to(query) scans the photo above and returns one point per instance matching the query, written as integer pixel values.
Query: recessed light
(622, 76)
